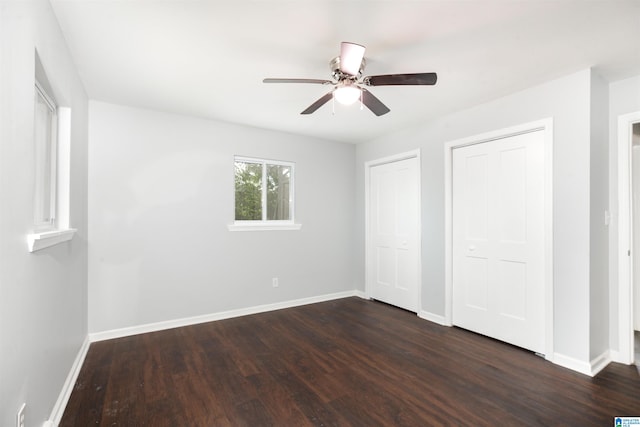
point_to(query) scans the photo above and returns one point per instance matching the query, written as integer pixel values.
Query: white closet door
(394, 233)
(498, 239)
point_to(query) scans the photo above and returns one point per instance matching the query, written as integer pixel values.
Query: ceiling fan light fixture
(349, 83)
(347, 94)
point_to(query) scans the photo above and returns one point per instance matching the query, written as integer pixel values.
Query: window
(263, 194)
(45, 133)
(52, 166)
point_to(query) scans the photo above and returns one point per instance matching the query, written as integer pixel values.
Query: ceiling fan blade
(351, 55)
(402, 79)
(315, 81)
(373, 103)
(319, 103)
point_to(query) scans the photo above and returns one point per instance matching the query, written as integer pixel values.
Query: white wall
(599, 231)
(43, 302)
(567, 101)
(624, 98)
(161, 194)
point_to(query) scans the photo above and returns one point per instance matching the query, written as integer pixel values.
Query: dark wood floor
(347, 362)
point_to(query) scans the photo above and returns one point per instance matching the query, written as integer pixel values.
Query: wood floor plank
(348, 362)
(278, 400)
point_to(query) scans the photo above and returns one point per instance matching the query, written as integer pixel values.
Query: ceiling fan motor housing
(337, 74)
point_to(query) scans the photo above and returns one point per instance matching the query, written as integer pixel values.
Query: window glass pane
(43, 152)
(278, 187)
(248, 178)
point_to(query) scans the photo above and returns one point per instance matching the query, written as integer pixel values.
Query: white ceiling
(208, 58)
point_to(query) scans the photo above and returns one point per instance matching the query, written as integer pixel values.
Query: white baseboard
(615, 356)
(600, 362)
(435, 318)
(590, 368)
(67, 388)
(176, 323)
(571, 363)
(360, 294)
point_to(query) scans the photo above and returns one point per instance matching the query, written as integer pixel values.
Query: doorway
(628, 131)
(635, 253)
(504, 303)
(393, 230)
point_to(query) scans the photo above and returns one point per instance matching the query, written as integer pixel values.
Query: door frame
(367, 238)
(625, 238)
(545, 125)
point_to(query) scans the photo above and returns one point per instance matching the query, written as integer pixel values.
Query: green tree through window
(278, 179)
(248, 191)
(263, 190)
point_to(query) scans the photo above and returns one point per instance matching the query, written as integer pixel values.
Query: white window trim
(263, 226)
(268, 225)
(59, 231)
(37, 241)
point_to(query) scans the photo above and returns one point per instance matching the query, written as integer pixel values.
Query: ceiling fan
(349, 85)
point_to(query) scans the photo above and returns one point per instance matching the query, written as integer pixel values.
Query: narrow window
(51, 165)
(263, 191)
(45, 131)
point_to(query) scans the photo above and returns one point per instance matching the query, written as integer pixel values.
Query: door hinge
(629, 252)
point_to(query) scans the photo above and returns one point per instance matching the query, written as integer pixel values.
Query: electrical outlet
(20, 416)
(274, 282)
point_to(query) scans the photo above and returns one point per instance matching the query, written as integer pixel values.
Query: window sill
(263, 227)
(37, 241)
